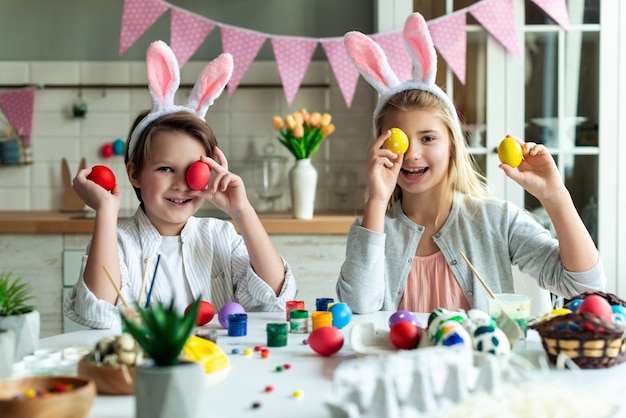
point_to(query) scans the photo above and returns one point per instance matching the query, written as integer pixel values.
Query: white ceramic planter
(7, 347)
(26, 329)
(171, 391)
(303, 185)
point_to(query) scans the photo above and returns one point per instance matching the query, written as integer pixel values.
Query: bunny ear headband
(163, 82)
(370, 60)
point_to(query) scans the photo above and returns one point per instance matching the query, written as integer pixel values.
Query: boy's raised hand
(227, 191)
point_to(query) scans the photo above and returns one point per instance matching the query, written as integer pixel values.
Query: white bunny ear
(163, 75)
(210, 84)
(369, 58)
(421, 49)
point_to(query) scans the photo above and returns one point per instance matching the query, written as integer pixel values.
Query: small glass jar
(290, 305)
(299, 321)
(237, 325)
(321, 304)
(276, 334)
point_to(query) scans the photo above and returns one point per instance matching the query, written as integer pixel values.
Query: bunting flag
(395, 50)
(450, 38)
(557, 10)
(346, 74)
(293, 56)
(18, 106)
(187, 32)
(243, 45)
(498, 18)
(137, 17)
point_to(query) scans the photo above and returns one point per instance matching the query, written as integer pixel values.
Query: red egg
(107, 150)
(206, 312)
(404, 335)
(326, 341)
(198, 175)
(103, 176)
(597, 305)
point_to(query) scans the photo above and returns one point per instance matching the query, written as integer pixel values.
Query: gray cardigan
(494, 234)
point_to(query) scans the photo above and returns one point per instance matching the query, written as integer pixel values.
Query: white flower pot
(170, 391)
(303, 184)
(26, 329)
(7, 347)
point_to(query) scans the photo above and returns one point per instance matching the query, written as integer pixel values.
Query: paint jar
(276, 334)
(237, 325)
(299, 321)
(321, 304)
(293, 304)
(321, 319)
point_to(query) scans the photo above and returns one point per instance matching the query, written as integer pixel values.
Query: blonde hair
(462, 172)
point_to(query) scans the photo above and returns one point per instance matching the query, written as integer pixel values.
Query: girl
(428, 205)
(188, 257)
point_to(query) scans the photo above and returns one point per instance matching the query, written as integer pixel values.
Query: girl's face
(426, 162)
(168, 200)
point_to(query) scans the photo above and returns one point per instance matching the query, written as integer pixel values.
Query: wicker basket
(590, 341)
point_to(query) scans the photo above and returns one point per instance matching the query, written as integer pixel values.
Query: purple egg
(228, 309)
(407, 316)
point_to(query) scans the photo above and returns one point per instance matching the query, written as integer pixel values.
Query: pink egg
(596, 305)
(198, 175)
(326, 341)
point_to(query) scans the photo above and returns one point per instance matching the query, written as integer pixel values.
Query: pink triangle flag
(449, 37)
(498, 18)
(17, 105)
(243, 45)
(556, 9)
(137, 17)
(293, 56)
(345, 72)
(397, 55)
(187, 32)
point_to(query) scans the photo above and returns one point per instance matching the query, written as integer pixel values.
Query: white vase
(169, 391)
(7, 347)
(303, 184)
(26, 330)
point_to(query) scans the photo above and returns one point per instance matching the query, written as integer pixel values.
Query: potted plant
(17, 315)
(168, 387)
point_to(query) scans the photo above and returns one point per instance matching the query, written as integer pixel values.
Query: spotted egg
(443, 315)
(574, 305)
(488, 339)
(403, 315)
(619, 314)
(477, 318)
(452, 333)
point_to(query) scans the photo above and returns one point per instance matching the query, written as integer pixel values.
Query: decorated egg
(454, 334)
(229, 309)
(444, 315)
(574, 305)
(597, 305)
(206, 312)
(326, 341)
(407, 316)
(398, 142)
(477, 318)
(342, 314)
(103, 176)
(492, 340)
(404, 335)
(198, 175)
(619, 314)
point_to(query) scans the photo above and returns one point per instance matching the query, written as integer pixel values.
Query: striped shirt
(216, 266)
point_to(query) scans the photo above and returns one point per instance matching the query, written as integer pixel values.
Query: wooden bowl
(74, 403)
(109, 380)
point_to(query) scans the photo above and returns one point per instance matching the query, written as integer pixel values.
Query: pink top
(431, 285)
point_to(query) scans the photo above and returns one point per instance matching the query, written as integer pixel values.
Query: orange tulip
(298, 131)
(328, 129)
(326, 119)
(315, 119)
(290, 122)
(297, 116)
(278, 123)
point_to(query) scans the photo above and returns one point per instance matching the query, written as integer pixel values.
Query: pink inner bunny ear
(370, 60)
(163, 73)
(210, 84)
(421, 49)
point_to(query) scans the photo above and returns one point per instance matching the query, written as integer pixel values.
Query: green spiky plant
(163, 332)
(14, 295)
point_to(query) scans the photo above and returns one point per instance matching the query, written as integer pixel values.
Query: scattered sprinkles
(247, 352)
(57, 387)
(258, 348)
(280, 368)
(256, 405)
(265, 353)
(235, 351)
(269, 388)
(287, 366)
(298, 394)
(305, 342)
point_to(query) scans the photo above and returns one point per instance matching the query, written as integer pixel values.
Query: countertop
(56, 222)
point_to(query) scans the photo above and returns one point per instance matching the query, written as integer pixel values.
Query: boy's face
(168, 200)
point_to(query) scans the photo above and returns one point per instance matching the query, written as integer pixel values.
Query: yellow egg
(398, 142)
(510, 152)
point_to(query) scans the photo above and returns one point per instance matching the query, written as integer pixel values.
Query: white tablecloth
(248, 376)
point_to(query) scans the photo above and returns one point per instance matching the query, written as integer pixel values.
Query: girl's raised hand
(383, 168)
(227, 191)
(94, 195)
(538, 173)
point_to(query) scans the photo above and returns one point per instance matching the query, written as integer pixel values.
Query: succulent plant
(14, 293)
(162, 332)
